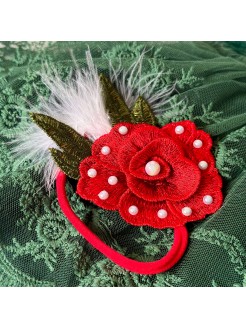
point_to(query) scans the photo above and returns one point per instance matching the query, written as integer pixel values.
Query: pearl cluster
(207, 200)
(105, 150)
(133, 210)
(203, 165)
(162, 214)
(112, 180)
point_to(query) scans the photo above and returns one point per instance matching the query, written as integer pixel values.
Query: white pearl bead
(203, 165)
(179, 129)
(103, 195)
(133, 210)
(105, 150)
(186, 211)
(162, 214)
(207, 199)
(152, 168)
(123, 130)
(112, 180)
(197, 143)
(92, 173)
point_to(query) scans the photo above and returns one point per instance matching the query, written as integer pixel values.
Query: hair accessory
(108, 140)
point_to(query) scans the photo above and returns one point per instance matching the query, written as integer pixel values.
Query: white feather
(133, 82)
(79, 104)
(32, 145)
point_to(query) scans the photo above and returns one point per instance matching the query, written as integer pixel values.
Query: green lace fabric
(39, 247)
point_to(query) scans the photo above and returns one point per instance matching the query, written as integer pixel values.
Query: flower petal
(179, 185)
(141, 137)
(89, 187)
(203, 153)
(160, 150)
(186, 137)
(138, 164)
(181, 182)
(148, 213)
(205, 138)
(186, 140)
(114, 140)
(210, 185)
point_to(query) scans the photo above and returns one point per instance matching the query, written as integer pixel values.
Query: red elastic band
(164, 264)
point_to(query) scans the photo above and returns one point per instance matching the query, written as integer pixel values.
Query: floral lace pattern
(38, 247)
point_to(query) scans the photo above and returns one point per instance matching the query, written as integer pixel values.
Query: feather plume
(133, 83)
(79, 104)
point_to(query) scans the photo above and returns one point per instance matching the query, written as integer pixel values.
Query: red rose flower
(161, 177)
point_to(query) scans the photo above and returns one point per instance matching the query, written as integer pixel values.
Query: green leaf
(74, 146)
(68, 164)
(142, 112)
(114, 103)
(64, 136)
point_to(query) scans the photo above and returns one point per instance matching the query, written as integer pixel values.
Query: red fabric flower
(161, 177)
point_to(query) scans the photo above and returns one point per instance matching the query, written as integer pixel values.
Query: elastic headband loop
(165, 263)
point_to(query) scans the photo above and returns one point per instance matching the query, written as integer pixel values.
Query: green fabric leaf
(68, 164)
(75, 147)
(142, 112)
(114, 103)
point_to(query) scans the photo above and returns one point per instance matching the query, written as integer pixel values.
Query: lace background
(38, 246)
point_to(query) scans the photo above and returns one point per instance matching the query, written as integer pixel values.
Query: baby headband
(102, 132)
